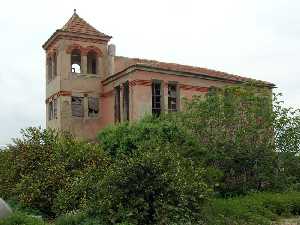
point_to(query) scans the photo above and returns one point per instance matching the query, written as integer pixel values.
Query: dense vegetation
(229, 158)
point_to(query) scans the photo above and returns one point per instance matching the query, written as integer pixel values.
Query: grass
(253, 209)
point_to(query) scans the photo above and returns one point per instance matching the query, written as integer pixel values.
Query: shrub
(44, 162)
(125, 138)
(234, 129)
(79, 218)
(260, 208)
(151, 187)
(7, 174)
(19, 218)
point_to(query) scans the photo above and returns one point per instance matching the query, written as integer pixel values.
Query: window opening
(93, 106)
(49, 67)
(92, 62)
(117, 105)
(172, 97)
(126, 100)
(156, 98)
(77, 106)
(76, 61)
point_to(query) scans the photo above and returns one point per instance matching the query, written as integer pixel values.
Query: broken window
(93, 106)
(76, 61)
(52, 109)
(117, 105)
(126, 100)
(92, 62)
(156, 97)
(77, 106)
(49, 69)
(172, 97)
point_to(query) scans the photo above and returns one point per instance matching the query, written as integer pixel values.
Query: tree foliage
(44, 162)
(151, 187)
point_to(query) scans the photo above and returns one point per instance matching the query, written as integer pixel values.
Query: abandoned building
(88, 87)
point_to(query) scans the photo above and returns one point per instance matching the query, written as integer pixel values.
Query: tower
(77, 59)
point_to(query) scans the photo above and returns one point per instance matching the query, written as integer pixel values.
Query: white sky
(254, 38)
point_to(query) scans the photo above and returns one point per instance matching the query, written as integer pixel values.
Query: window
(76, 61)
(52, 110)
(126, 100)
(156, 97)
(54, 64)
(172, 97)
(92, 62)
(49, 69)
(93, 106)
(117, 105)
(77, 106)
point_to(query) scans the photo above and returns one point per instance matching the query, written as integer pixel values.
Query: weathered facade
(88, 87)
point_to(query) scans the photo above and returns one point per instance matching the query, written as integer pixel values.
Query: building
(88, 87)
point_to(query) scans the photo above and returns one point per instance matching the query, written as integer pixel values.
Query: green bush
(151, 187)
(261, 208)
(125, 138)
(43, 163)
(19, 218)
(7, 174)
(234, 129)
(79, 218)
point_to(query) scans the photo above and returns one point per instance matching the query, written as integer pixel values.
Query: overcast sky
(254, 38)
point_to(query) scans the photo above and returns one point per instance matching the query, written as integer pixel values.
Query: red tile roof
(78, 25)
(190, 69)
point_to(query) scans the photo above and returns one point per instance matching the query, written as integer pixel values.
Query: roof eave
(145, 67)
(60, 32)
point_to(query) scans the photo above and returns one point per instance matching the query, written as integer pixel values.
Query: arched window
(54, 64)
(49, 68)
(92, 62)
(76, 61)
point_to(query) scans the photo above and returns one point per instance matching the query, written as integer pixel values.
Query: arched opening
(92, 62)
(49, 68)
(76, 61)
(54, 64)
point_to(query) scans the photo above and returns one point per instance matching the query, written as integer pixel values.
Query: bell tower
(78, 58)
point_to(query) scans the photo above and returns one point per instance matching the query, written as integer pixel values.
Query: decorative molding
(56, 95)
(74, 46)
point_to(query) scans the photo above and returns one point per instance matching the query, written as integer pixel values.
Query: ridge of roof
(192, 69)
(76, 24)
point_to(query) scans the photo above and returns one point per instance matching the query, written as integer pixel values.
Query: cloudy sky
(254, 38)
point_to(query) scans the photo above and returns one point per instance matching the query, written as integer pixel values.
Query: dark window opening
(93, 106)
(54, 64)
(92, 62)
(52, 110)
(55, 109)
(156, 98)
(117, 104)
(76, 61)
(49, 68)
(77, 106)
(172, 98)
(126, 100)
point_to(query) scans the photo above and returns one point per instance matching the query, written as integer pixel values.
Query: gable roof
(78, 25)
(200, 72)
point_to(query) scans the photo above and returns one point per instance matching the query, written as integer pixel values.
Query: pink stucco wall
(141, 93)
